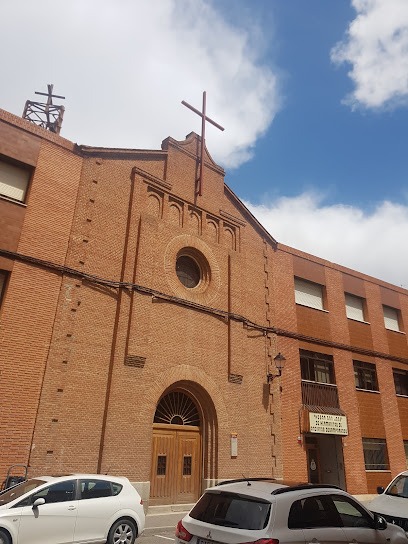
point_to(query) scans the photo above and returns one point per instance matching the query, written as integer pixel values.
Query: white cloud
(367, 242)
(125, 65)
(376, 45)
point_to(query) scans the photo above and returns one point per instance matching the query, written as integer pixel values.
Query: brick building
(140, 323)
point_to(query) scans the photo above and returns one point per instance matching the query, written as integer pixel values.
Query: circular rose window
(188, 271)
(191, 269)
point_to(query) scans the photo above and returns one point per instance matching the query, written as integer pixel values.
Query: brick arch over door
(184, 444)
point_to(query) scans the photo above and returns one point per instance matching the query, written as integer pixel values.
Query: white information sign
(234, 445)
(328, 424)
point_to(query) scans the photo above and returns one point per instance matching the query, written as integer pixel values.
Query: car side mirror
(38, 502)
(380, 489)
(379, 522)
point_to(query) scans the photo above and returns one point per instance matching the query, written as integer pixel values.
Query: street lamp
(280, 364)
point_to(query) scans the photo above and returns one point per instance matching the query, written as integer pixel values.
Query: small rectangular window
(161, 465)
(400, 382)
(308, 294)
(354, 307)
(14, 181)
(187, 465)
(375, 454)
(365, 376)
(391, 318)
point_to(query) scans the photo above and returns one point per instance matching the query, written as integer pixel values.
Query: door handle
(71, 507)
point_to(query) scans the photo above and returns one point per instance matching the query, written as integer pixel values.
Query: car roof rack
(288, 486)
(248, 481)
(300, 487)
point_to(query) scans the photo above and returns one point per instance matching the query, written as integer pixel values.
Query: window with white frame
(354, 307)
(391, 318)
(309, 294)
(14, 180)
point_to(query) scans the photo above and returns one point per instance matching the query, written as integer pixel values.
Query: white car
(392, 503)
(268, 512)
(85, 508)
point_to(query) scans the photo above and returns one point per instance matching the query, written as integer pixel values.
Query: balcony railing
(320, 394)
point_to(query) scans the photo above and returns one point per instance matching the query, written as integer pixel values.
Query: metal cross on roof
(204, 118)
(46, 115)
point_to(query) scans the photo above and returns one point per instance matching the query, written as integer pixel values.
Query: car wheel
(122, 532)
(4, 538)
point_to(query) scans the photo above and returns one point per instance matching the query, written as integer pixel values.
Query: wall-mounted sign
(328, 424)
(234, 445)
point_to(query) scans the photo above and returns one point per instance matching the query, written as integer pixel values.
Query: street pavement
(159, 520)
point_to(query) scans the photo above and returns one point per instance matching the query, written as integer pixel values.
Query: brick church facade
(140, 325)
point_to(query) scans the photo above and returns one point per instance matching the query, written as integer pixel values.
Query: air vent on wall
(135, 361)
(235, 378)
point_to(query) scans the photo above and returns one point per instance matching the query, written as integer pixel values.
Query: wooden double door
(176, 464)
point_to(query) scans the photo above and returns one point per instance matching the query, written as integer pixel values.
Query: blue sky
(313, 96)
(315, 141)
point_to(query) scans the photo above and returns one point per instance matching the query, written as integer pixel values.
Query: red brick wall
(371, 416)
(123, 216)
(397, 343)
(28, 310)
(313, 322)
(11, 221)
(388, 422)
(360, 334)
(149, 327)
(375, 479)
(403, 415)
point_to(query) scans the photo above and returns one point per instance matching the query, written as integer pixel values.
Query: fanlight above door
(176, 408)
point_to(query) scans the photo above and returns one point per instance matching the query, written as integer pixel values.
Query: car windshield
(19, 490)
(399, 487)
(231, 510)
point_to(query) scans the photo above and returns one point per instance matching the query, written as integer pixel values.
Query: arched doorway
(176, 450)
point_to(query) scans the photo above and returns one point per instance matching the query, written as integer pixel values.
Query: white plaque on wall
(328, 424)
(234, 445)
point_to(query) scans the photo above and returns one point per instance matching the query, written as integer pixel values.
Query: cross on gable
(204, 118)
